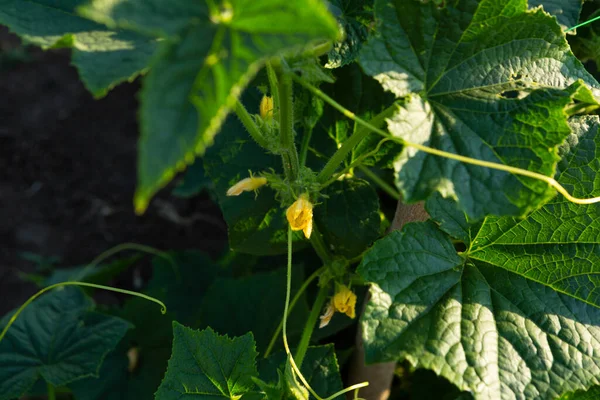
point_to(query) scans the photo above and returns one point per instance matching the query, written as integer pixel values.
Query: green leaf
(57, 338)
(104, 58)
(207, 58)
(256, 222)
(207, 365)
(566, 11)
(320, 368)
(517, 307)
(255, 303)
(591, 394)
(349, 217)
(559, 244)
(354, 17)
(485, 329)
(112, 377)
(488, 80)
(182, 285)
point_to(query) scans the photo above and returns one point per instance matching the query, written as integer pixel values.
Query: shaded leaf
(348, 217)
(255, 303)
(353, 17)
(57, 338)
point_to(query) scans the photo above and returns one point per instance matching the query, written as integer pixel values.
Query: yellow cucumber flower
(266, 108)
(246, 185)
(344, 301)
(300, 215)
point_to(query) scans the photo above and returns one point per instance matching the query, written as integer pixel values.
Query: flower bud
(300, 215)
(266, 108)
(246, 185)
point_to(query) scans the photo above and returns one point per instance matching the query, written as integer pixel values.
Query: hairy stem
(286, 126)
(318, 244)
(248, 122)
(310, 325)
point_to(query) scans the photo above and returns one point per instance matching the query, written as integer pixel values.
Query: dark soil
(68, 173)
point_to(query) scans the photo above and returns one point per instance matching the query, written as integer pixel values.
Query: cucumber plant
(294, 113)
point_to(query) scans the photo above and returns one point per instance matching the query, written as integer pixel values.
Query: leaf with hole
(488, 80)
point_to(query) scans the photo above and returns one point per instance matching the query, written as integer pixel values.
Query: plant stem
(380, 182)
(51, 392)
(317, 242)
(440, 153)
(286, 127)
(304, 147)
(310, 325)
(297, 296)
(250, 126)
(362, 132)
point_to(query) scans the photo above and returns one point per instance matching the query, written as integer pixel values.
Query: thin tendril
(93, 285)
(589, 21)
(285, 342)
(467, 160)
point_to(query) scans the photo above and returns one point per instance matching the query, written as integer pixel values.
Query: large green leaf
(349, 217)
(103, 57)
(559, 244)
(206, 59)
(488, 80)
(57, 338)
(515, 315)
(566, 11)
(207, 365)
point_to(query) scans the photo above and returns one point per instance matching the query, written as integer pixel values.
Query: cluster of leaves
(497, 293)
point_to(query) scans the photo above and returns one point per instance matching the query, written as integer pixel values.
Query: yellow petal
(266, 108)
(246, 185)
(300, 215)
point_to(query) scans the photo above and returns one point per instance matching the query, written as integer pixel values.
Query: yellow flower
(344, 301)
(266, 108)
(246, 185)
(300, 215)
